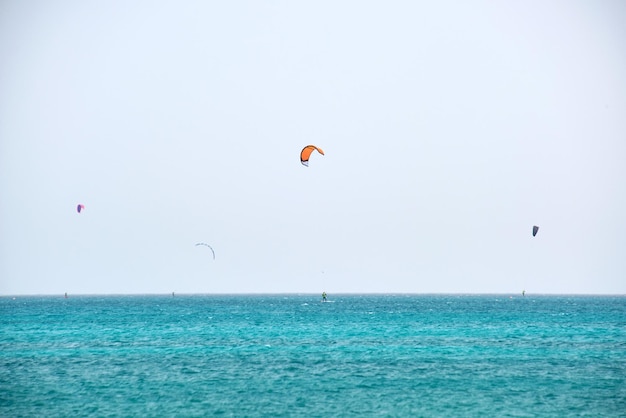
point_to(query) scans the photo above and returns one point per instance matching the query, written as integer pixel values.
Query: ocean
(293, 356)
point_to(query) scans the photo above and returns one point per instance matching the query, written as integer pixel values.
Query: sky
(449, 129)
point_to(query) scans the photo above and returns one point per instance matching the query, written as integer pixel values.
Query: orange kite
(306, 154)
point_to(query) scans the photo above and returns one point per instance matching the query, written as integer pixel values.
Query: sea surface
(291, 355)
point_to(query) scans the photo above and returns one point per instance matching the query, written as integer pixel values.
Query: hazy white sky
(450, 128)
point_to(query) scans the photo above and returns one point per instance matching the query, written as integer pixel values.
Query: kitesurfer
(323, 296)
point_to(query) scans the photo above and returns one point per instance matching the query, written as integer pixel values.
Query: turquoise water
(290, 355)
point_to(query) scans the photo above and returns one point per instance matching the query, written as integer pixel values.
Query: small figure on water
(523, 292)
(65, 295)
(323, 296)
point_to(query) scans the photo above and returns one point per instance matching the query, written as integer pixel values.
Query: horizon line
(526, 294)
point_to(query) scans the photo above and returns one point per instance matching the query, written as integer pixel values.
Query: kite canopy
(305, 154)
(207, 245)
(535, 229)
(79, 208)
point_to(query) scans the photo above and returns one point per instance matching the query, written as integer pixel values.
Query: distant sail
(535, 229)
(79, 208)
